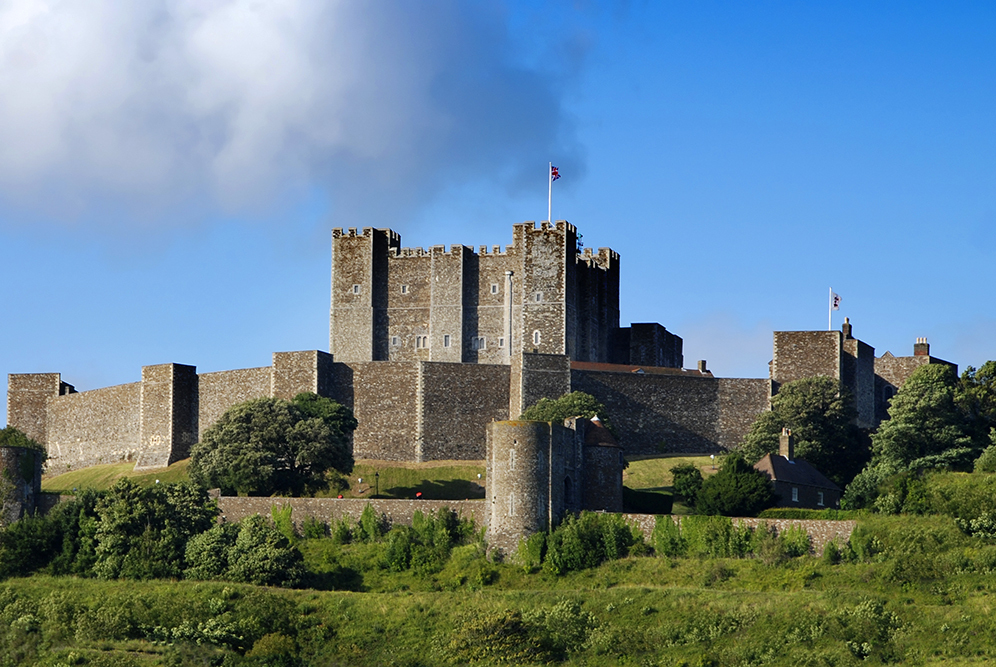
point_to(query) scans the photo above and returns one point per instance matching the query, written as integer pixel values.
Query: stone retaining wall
(820, 531)
(236, 508)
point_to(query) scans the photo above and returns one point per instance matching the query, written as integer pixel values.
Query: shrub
(667, 539)
(987, 460)
(531, 552)
(371, 526)
(797, 542)
(736, 490)
(687, 481)
(587, 541)
(646, 502)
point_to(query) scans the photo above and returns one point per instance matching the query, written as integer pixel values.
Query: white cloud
(146, 108)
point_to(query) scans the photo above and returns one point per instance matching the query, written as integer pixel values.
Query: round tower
(518, 477)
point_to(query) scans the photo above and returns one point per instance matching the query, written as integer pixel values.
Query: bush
(987, 460)
(646, 502)
(736, 490)
(588, 541)
(687, 482)
(667, 539)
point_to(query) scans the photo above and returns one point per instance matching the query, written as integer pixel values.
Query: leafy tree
(251, 551)
(976, 397)
(736, 490)
(820, 413)
(574, 404)
(927, 429)
(924, 420)
(267, 446)
(687, 481)
(987, 460)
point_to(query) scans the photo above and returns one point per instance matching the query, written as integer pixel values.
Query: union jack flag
(554, 173)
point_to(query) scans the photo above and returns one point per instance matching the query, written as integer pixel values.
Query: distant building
(796, 482)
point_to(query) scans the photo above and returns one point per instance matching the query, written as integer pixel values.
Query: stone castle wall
(805, 354)
(663, 413)
(93, 427)
(221, 390)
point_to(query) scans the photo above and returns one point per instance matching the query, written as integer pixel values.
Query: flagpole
(549, 194)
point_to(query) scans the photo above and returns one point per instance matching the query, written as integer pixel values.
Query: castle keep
(428, 347)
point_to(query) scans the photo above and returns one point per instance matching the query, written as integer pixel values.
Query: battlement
(394, 238)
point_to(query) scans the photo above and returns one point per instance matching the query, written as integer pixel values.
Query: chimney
(921, 348)
(846, 328)
(786, 446)
(702, 366)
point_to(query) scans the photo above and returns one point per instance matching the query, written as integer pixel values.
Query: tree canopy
(574, 404)
(270, 445)
(820, 413)
(933, 423)
(736, 490)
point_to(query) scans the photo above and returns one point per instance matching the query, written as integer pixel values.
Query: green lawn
(437, 480)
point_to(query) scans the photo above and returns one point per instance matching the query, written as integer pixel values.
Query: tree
(975, 396)
(924, 422)
(574, 404)
(736, 490)
(687, 482)
(820, 413)
(269, 445)
(926, 429)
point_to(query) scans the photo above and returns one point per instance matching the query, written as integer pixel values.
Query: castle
(428, 347)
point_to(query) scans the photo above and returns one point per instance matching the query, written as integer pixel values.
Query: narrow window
(446, 340)
(819, 500)
(395, 341)
(536, 337)
(494, 288)
(404, 289)
(511, 459)
(478, 343)
(356, 289)
(538, 297)
(511, 504)
(795, 494)
(421, 342)
(501, 342)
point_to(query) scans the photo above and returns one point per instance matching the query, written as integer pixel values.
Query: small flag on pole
(835, 301)
(554, 173)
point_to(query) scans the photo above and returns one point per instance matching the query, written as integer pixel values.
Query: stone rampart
(236, 508)
(382, 395)
(220, 391)
(456, 402)
(93, 427)
(661, 413)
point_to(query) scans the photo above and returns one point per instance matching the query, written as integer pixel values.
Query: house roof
(796, 471)
(599, 436)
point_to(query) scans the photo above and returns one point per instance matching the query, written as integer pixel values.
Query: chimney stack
(921, 348)
(786, 446)
(846, 328)
(702, 366)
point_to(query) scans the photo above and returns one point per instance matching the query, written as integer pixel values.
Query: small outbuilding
(796, 482)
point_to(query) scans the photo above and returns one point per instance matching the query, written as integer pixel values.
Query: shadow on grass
(453, 489)
(339, 579)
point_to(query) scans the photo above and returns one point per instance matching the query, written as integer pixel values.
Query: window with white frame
(404, 289)
(511, 504)
(537, 297)
(478, 343)
(795, 494)
(511, 459)
(494, 288)
(395, 341)
(421, 342)
(356, 289)
(446, 340)
(819, 498)
(501, 342)
(536, 337)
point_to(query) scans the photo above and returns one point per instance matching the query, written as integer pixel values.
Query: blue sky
(169, 173)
